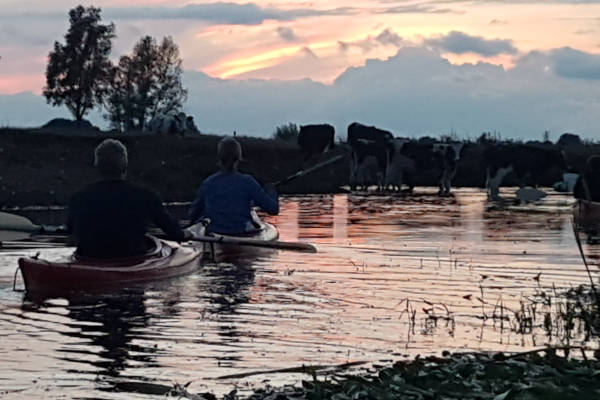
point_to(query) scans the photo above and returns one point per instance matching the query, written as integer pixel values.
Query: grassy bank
(45, 167)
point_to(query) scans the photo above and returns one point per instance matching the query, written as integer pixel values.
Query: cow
(368, 173)
(173, 123)
(369, 141)
(411, 158)
(315, 139)
(450, 154)
(402, 169)
(528, 163)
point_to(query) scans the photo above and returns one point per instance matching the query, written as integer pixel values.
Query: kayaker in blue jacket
(226, 198)
(109, 218)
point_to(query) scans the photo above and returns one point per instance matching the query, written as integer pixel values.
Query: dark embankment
(45, 168)
(42, 167)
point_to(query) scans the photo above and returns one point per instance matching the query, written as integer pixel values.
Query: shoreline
(43, 168)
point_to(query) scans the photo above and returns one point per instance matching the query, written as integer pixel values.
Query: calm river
(394, 277)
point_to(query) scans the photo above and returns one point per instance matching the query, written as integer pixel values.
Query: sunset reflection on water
(395, 276)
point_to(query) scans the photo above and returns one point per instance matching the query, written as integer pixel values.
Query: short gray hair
(110, 157)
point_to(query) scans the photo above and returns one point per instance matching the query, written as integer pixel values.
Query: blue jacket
(227, 198)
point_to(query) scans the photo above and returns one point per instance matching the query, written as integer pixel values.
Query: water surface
(394, 277)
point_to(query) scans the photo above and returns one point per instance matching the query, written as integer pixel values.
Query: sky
(413, 67)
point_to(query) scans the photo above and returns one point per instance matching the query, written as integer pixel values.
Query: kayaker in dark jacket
(226, 197)
(109, 218)
(587, 186)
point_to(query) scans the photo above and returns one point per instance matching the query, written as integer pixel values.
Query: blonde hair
(110, 158)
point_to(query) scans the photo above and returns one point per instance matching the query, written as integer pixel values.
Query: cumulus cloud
(416, 92)
(572, 63)
(460, 43)
(387, 37)
(287, 34)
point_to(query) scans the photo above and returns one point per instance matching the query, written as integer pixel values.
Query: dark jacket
(109, 219)
(592, 179)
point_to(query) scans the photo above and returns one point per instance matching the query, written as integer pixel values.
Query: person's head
(593, 163)
(229, 153)
(110, 158)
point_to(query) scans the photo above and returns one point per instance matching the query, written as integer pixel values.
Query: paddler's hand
(187, 235)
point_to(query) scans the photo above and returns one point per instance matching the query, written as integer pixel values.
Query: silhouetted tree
(546, 137)
(288, 132)
(146, 83)
(569, 139)
(78, 74)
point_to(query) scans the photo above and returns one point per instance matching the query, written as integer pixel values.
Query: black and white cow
(450, 154)
(173, 123)
(315, 139)
(369, 147)
(527, 162)
(412, 158)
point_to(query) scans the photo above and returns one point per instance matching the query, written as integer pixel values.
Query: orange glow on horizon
(246, 63)
(13, 84)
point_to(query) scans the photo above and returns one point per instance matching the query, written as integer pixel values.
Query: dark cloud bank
(414, 93)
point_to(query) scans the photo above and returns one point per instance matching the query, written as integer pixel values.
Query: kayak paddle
(14, 227)
(309, 170)
(270, 244)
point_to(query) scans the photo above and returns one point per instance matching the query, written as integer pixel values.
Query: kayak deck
(167, 259)
(265, 232)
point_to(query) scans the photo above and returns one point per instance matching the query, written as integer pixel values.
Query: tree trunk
(78, 115)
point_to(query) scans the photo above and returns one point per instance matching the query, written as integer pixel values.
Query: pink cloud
(11, 84)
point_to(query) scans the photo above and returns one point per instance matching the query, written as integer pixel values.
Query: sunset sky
(414, 67)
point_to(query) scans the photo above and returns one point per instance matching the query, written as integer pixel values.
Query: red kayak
(166, 260)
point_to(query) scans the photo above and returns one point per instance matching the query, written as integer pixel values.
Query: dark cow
(315, 139)
(369, 147)
(528, 163)
(411, 158)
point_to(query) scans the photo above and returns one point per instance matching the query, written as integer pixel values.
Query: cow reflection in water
(510, 226)
(315, 217)
(420, 211)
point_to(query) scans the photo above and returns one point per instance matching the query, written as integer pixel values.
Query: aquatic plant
(546, 373)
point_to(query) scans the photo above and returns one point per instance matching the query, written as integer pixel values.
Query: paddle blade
(13, 222)
(13, 235)
(268, 244)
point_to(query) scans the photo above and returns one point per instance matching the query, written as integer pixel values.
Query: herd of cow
(173, 123)
(378, 158)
